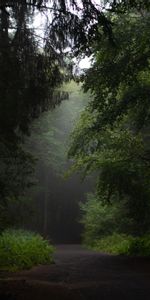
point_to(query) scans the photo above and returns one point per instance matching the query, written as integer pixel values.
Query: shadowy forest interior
(74, 142)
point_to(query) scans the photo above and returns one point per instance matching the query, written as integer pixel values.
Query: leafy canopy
(32, 67)
(111, 137)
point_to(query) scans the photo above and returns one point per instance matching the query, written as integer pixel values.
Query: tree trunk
(45, 215)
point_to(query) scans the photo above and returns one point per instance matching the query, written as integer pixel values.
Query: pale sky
(84, 63)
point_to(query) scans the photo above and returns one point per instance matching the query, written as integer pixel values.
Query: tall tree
(112, 137)
(29, 74)
(28, 78)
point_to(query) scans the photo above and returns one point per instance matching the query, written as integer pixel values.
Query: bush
(21, 249)
(115, 244)
(123, 244)
(98, 219)
(101, 219)
(140, 246)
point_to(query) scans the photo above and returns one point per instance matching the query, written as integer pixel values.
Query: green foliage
(126, 5)
(16, 169)
(98, 219)
(31, 70)
(115, 244)
(122, 171)
(16, 212)
(111, 139)
(140, 246)
(123, 244)
(73, 23)
(112, 228)
(29, 76)
(119, 77)
(27, 80)
(16, 176)
(101, 219)
(20, 249)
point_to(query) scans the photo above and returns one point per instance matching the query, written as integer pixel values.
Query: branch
(44, 7)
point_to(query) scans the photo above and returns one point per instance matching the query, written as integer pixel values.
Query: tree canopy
(32, 67)
(112, 137)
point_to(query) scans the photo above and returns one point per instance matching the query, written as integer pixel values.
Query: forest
(74, 144)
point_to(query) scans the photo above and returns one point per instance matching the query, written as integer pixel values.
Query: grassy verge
(123, 244)
(21, 249)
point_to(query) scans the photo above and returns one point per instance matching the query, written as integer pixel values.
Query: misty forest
(74, 138)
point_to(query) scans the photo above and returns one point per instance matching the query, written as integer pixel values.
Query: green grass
(123, 244)
(21, 249)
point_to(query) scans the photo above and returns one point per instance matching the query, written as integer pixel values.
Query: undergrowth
(123, 244)
(21, 249)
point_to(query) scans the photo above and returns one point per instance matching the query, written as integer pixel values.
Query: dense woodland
(111, 139)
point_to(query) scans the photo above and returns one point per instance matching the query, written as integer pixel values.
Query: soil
(80, 274)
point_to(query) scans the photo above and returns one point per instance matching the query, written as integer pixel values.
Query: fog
(55, 200)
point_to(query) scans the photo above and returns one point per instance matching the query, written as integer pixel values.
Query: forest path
(80, 274)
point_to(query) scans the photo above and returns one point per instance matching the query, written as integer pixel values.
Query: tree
(111, 138)
(29, 76)
(69, 23)
(29, 72)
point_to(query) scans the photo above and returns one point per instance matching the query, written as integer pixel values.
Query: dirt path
(81, 274)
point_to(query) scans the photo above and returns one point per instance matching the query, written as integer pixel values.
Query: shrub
(123, 244)
(101, 219)
(115, 244)
(140, 246)
(98, 219)
(21, 249)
